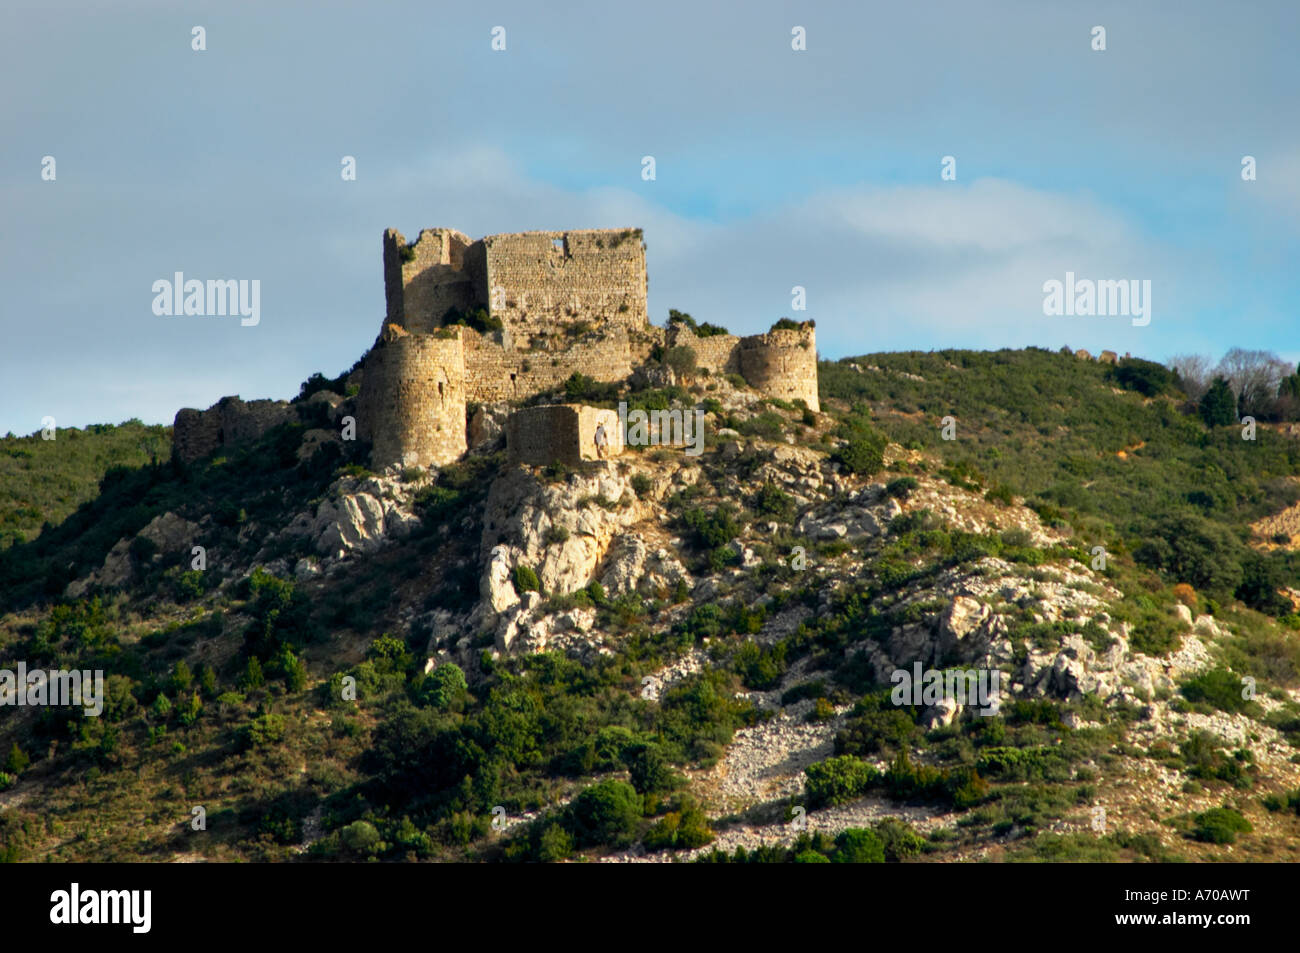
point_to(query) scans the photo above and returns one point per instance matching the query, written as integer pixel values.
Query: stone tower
(412, 402)
(782, 363)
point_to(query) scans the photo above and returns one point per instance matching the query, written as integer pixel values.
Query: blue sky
(775, 168)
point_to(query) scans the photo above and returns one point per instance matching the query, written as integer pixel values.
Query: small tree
(252, 677)
(605, 813)
(680, 360)
(1218, 407)
(445, 686)
(182, 678)
(1290, 386)
(17, 761)
(1193, 373)
(292, 668)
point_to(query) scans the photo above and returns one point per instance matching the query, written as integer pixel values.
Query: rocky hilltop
(654, 657)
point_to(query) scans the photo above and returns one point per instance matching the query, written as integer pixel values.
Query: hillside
(674, 657)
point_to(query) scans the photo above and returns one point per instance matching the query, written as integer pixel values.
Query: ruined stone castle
(502, 319)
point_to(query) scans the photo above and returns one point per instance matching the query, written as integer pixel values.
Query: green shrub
(261, 731)
(649, 769)
(810, 857)
(445, 686)
(771, 500)
(477, 318)
(252, 676)
(837, 780)
(605, 813)
(1217, 687)
(1002, 493)
(191, 585)
(1207, 761)
(682, 829)
(899, 839)
(902, 487)
(578, 386)
(291, 668)
(702, 330)
(1220, 825)
(875, 726)
(863, 452)
(1289, 800)
(188, 710)
(714, 528)
(1146, 377)
(361, 839)
(526, 579)
(855, 845)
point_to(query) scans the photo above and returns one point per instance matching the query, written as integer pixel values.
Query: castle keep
(532, 284)
(502, 319)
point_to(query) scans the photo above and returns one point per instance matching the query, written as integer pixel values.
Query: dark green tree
(17, 761)
(1218, 407)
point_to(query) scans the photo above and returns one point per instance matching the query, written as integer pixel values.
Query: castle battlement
(533, 283)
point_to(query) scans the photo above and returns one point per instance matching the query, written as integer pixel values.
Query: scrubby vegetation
(301, 712)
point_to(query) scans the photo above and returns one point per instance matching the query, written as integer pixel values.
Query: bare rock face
(632, 567)
(565, 532)
(357, 516)
(169, 534)
(968, 632)
(942, 713)
(498, 586)
(561, 530)
(487, 428)
(354, 522)
(963, 617)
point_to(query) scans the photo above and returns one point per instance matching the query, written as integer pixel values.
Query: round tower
(412, 402)
(782, 363)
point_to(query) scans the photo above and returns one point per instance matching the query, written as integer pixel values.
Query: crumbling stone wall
(199, 433)
(560, 433)
(782, 363)
(495, 373)
(412, 402)
(717, 354)
(540, 281)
